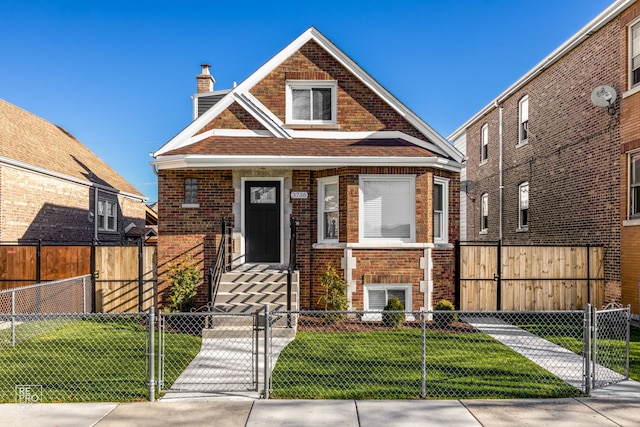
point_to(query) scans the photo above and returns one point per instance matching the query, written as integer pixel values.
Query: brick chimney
(205, 79)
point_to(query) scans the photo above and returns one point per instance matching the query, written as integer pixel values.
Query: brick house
(547, 165)
(54, 189)
(311, 136)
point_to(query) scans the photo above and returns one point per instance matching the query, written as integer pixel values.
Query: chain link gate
(209, 352)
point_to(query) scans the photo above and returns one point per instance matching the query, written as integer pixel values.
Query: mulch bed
(317, 324)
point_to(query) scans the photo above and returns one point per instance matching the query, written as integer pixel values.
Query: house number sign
(299, 195)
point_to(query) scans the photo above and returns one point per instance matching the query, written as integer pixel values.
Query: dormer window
(311, 102)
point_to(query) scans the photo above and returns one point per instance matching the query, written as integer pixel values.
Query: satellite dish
(603, 96)
(467, 185)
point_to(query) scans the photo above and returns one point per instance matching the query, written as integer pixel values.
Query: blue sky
(119, 75)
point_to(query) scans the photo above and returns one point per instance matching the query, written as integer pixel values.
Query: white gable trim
(241, 94)
(202, 161)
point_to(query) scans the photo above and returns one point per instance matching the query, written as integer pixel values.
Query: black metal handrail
(293, 263)
(223, 260)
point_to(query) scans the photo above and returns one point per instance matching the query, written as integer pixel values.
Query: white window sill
(191, 205)
(631, 222)
(631, 91)
(485, 231)
(484, 162)
(522, 143)
(311, 125)
(381, 245)
(522, 230)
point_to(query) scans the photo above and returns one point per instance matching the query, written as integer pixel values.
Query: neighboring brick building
(547, 166)
(54, 189)
(310, 135)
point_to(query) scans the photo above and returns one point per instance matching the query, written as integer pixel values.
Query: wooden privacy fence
(492, 276)
(124, 276)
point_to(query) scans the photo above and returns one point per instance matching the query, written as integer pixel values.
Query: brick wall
(35, 206)
(571, 160)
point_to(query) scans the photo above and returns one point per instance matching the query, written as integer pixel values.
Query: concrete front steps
(245, 291)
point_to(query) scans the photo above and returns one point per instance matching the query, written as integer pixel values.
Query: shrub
(184, 277)
(335, 295)
(444, 319)
(393, 314)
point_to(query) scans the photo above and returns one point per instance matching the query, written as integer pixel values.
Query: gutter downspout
(95, 216)
(501, 171)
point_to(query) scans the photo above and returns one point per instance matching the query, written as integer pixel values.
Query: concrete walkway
(561, 362)
(585, 412)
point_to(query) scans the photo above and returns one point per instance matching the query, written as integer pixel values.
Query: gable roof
(435, 146)
(31, 142)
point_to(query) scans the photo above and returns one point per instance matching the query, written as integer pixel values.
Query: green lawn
(387, 365)
(103, 359)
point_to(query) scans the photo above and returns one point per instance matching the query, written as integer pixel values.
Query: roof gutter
(598, 22)
(26, 166)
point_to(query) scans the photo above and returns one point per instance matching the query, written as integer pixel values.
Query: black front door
(262, 221)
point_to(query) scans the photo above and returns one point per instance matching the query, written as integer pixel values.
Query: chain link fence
(313, 355)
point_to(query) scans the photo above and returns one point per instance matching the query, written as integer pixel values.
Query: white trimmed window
(376, 297)
(440, 210)
(484, 144)
(523, 206)
(328, 209)
(523, 113)
(634, 185)
(387, 208)
(107, 215)
(634, 55)
(311, 102)
(484, 216)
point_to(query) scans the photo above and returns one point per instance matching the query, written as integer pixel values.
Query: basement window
(376, 297)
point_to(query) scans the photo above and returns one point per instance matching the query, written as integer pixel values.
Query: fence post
(266, 350)
(586, 333)
(458, 262)
(84, 295)
(628, 330)
(151, 355)
(499, 277)
(13, 318)
(423, 341)
(140, 276)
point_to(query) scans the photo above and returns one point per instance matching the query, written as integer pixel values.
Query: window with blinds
(387, 208)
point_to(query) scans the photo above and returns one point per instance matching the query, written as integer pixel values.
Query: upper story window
(484, 144)
(311, 102)
(523, 206)
(387, 208)
(190, 192)
(634, 55)
(484, 206)
(328, 209)
(440, 210)
(107, 215)
(634, 185)
(523, 114)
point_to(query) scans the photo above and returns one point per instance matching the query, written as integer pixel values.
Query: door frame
(243, 181)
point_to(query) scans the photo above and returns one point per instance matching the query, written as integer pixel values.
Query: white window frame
(484, 213)
(634, 189)
(484, 144)
(322, 183)
(523, 120)
(309, 85)
(386, 287)
(103, 215)
(411, 180)
(444, 238)
(522, 226)
(190, 203)
(634, 48)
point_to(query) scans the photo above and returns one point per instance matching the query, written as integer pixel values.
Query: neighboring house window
(311, 102)
(387, 210)
(328, 209)
(484, 144)
(440, 210)
(484, 206)
(634, 48)
(190, 192)
(523, 206)
(376, 297)
(523, 108)
(634, 185)
(107, 215)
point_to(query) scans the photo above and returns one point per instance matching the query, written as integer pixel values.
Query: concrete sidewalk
(302, 413)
